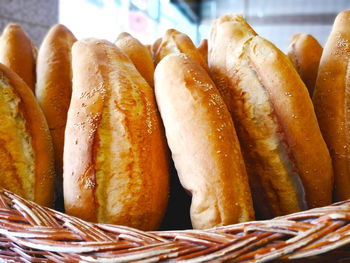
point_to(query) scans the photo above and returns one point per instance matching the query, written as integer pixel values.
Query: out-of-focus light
(141, 4)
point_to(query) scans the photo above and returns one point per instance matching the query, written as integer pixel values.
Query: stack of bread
(252, 132)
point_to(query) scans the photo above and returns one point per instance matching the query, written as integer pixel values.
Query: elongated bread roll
(155, 47)
(203, 142)
(305, 53)
(26, 166)
(332, 99)
(275, 120)
(175, 42)
(115, 155)
(203, 49)
(54, 88)
(138, 54)
(18, 53)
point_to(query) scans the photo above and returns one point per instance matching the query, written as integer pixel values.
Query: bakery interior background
(276, 20)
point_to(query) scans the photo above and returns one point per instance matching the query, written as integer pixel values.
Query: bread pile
(253, 133)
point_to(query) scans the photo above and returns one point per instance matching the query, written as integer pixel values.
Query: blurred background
(276, 20)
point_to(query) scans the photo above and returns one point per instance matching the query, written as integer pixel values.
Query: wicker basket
(30, 233)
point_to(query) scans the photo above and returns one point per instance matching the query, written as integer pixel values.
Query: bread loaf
(26, 153)
(154, 48)
(18, 53)
(54, 88)
(203, 142)
(175, 42)
(115, 155)
(331, 101)
(203, 49)
(138, 54)
(285, 154)
(305, 53)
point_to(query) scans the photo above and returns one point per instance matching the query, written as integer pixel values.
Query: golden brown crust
(54, 87)
(115, 157)
(297, 119)
(175, 42)
(203, 142)
(203, 49)
(305, 53)
(219, 50)
(18, 53)
(331, 101)
(138, 54)
(155, 47)
(274, 117)
(38, 135)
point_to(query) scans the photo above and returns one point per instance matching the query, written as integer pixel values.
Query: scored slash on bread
(285, 154)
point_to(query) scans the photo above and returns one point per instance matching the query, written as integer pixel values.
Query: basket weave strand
(30, 233)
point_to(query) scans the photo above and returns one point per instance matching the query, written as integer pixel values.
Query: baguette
(138, 54)
(115, 154)
(203, 49)
(275, 120)
(305, 53)
(175, 42)
(54, 87)
(26, 153)
(19, 53)
(154, 48)
(203, 142)
(331, 101)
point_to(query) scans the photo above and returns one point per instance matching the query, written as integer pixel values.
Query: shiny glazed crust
(203, 142)
(115, 155)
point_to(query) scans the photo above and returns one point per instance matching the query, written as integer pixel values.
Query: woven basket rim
(31, 233)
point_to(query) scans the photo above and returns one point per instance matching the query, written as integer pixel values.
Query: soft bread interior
(17, 171)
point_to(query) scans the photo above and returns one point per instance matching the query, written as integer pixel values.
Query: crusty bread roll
(26, 166)
(155, 47)
(331, 101)
(115, 154)
(275, 120)
(138, 54)
(175, 42)
(54, 88)
(18, 53)
(203, 49)
(305, 53)
(203, 142)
